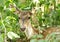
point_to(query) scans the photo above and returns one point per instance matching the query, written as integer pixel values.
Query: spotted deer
(25, 24)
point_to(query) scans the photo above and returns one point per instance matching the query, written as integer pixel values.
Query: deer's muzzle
(23, 29)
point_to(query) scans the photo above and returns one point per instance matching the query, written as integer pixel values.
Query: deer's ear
(15, 9)
(33, 10)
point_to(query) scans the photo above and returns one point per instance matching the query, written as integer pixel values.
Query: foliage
(9, 20)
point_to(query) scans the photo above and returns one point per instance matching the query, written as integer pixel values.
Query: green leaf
(34, 37)
(40, 36)
(33, 40)
(1, 8)
(42, 40)
(12, 35)
(12, 9)
(2, 2)
(1, 38)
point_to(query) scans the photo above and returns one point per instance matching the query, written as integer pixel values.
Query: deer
(27, 28)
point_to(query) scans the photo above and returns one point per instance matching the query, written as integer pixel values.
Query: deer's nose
(22, 29)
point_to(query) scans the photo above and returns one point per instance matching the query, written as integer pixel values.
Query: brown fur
(50, 30)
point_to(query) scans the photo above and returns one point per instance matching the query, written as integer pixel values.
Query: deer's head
(24, 19)
(25, 23)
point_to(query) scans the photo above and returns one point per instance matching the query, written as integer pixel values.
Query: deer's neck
(29, 31)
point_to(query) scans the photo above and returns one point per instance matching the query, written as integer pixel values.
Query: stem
(5, 39)
(5, 35)
(54, 4)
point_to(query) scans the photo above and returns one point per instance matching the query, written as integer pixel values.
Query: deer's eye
(29, 17)
(19, 17)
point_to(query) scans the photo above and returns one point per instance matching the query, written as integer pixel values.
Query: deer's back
(50, 30)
